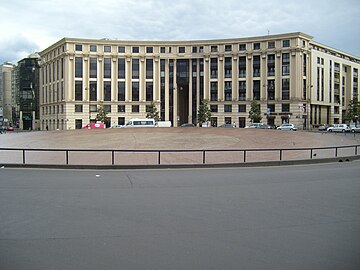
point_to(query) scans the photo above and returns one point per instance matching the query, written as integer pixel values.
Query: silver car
(355, 128)
(339, 128)
(288, 126)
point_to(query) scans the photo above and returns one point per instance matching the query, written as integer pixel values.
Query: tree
(101, 113)
(204, 114)
(152, 112)
(255, 113)
(353, 113)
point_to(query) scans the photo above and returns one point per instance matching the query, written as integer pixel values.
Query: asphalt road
(296, 217)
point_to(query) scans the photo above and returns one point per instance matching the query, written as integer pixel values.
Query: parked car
(323, 127)
(339, 128)
(227, 126)
(287, 126)
(10, 128)
(355, 128)
(188, 125)
(94, 125)
(2, 130)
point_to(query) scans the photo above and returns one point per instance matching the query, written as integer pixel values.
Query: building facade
(7, 90)
(280, 72)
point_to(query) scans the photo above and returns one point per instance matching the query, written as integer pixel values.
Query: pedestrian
(47, 127)
(234, 125)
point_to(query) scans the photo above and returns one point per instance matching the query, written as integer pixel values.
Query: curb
(180, 166)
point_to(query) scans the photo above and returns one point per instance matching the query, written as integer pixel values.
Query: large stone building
(292, 77)
(7, 94)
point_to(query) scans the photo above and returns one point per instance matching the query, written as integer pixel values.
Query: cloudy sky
(32, 25)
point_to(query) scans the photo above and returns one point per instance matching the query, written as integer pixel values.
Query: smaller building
(6, 90)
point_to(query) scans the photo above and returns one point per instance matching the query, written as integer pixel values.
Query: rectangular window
(228, 67)
(242, 67)
(285, 64)
(78, 91)
(242, 47)
(107, 67)
(78, 108)
(93, 67)
(121, 91)
(256, 90)
(78, 67)
(121, 49)
(121, 68)
(107, 48)
(135, 108)
(256, 66)
(149, 49)
(181, 49)
(149, 91)
(213, 68)
(135, 91)
(286, 43)
(78, 123)
(135, 68)
(121, 108)
(107, 108)
(214, 91)
(271, 44)
(78, 47)
(93, 48)
(285, 92)
(135, 49)
(228, 48)
(93, 108)
(162, 49)
(194, 49)
(201, 49)
(271, 64)
(242, 108)
(242, 90)
(107, 91)
(227, 108)
(214, 48)
(257, 46)
(285, 107)
(271, 90)
(214, 108)
(149, 69)
(93, 91)
(121, 120)
(228, 91)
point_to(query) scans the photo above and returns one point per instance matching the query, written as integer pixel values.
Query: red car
(10, 128)
(95, 125)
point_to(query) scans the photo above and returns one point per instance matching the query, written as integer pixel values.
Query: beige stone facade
(279, 71)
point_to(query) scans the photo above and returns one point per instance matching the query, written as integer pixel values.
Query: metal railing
(352, 150)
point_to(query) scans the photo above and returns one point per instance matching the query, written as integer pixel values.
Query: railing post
(336, 151)
(23, 156)
(112, 157)
(67, 157)
(244, 156)
(280, 154)
(159, 158)
(204, 157)
(356, 149)
(311, 153)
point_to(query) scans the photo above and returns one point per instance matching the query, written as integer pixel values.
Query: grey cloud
(15, 48)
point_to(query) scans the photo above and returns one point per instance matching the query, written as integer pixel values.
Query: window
(149, 68)
(93, 67)
(214, 91)
(242, 90)
(256, 46)
(121, 91)
(214, 48)
(242, 47)
(228, 67)
(121, 108)
(256, 66)
(121, 49)
(107, 108)
(135, 108)
(93, 108)
(285, 89)
(78, 108)
(242, 67)
(242, 108)
(107, 91)
(107, 67)
(181, 49)
(285, 107)
(170, 49)
(214, 108)
(149, 49)
(162, 49)
(135, 91)
(201, 49)
(228, 120)
(256, 90)
(213, 68)
(271, 44)
(271, 64)
(135, 68)
(228, 48)
(285, 64)
(194, 49)
(78, 123)
(227, 108)
(149, 91)
(93, 91)
(107, 48)
(93, 48)
(78, 47)
(135, 49)
(78, 67)
(286, 43)
(121, 120)
(271, 90)
(121, 68)
(78, 91)
(228, 91)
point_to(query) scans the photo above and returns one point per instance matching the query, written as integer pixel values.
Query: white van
(163, 124)
(147, 122)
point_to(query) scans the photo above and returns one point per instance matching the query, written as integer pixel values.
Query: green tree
(152, 112)
(255, 113)
(204, 114)
(101, 113)
(353, 113)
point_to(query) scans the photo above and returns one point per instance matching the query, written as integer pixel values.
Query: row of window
(228, 108)
(182, 49)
